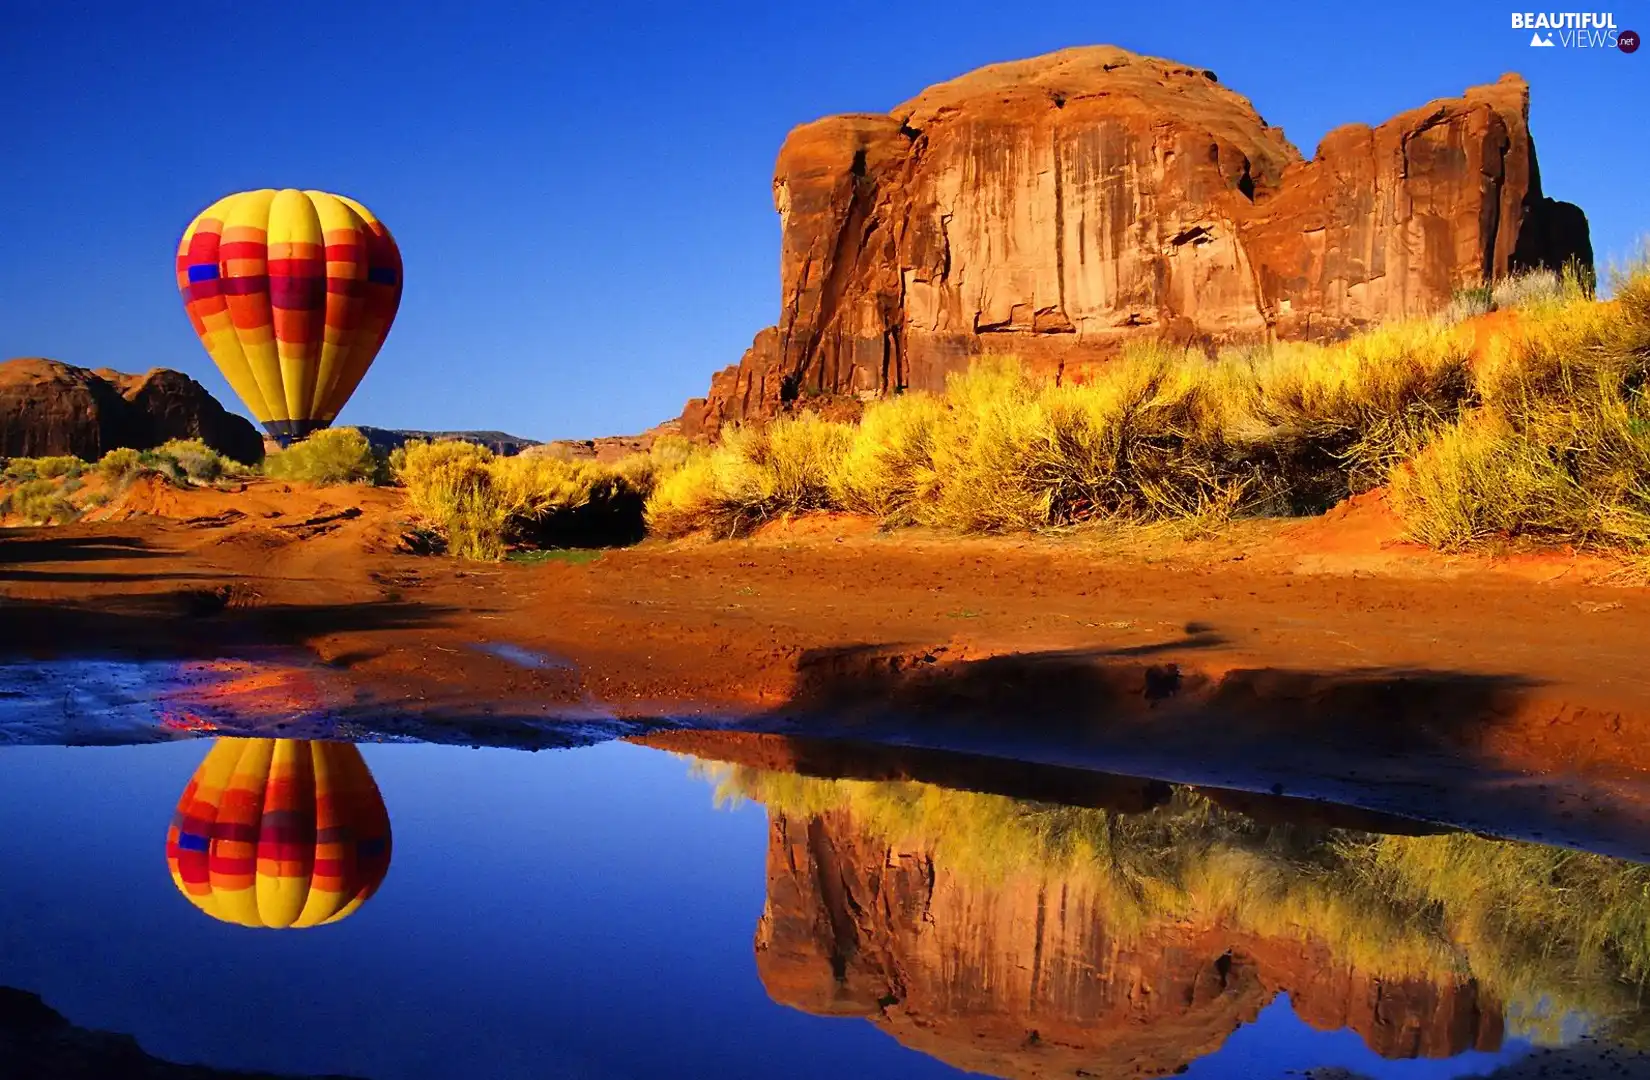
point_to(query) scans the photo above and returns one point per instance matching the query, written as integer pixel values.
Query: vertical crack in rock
(1059, 217)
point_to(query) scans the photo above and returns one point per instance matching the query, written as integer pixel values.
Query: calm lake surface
(618, 911)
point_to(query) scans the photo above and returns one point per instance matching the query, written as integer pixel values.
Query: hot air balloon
(292, 293)
(279, 833)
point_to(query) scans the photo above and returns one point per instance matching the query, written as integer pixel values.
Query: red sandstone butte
(49, 408)
(1053, 208)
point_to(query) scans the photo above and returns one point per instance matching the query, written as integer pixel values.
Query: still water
(619, 911)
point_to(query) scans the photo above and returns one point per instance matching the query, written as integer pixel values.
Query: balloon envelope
(279, 833)
(292, 293)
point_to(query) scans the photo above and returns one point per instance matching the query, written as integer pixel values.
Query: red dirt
(1331, 632)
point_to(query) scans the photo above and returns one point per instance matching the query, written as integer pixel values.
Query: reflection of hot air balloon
(279, 833)
(292, 292)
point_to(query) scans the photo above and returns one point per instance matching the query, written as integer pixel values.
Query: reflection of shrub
(330, 456)
(1551, 933)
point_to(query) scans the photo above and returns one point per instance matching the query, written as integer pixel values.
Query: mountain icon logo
(1536, 41)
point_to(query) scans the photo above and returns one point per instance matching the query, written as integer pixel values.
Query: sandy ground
(1324, 658)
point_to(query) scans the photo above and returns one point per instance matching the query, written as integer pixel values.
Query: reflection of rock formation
(37, 1042)
(1026, 978)
(279, 833)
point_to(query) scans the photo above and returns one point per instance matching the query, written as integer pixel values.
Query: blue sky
(581, 192)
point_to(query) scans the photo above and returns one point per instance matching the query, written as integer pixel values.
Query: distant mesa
(49, 408)
(386, 439)
(1057, 207)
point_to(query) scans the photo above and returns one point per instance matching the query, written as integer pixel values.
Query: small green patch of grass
(571, 556)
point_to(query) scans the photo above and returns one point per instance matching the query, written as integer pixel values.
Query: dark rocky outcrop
(36, 1042)
(48, 408)
(1056, 207)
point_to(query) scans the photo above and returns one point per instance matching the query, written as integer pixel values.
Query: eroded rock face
(48, 408)
(1027, 978)
(1056, 207)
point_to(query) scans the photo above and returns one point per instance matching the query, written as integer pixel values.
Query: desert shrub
(1322, 422)
(983, 453)
(1542, 289)
(481, 504)
(1146, 442)
(196, 461)
(52, 468)
(417, 455)
(329, 456)
(120, 465)
(165, 466)
(1544, 434)
(888, 469)
(557, 504)
(94, 499)
(1560, 450)
(465, 507)
(40, 502)
(1468, 303)
(22, 470)
(1139, 441)
(1478, 481)
(1532, 290)
(752, 475)
(691, 498)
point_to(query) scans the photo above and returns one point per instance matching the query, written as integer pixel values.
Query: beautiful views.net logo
(1575, 30)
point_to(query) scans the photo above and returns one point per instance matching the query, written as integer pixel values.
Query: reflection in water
(279, 833)
(1021, 937)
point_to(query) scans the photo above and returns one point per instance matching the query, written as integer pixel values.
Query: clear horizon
(583, 199)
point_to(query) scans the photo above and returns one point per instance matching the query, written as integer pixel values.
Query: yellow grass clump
(1544, 433)
(751, 476)
(329, 456)
(1158, 434)
(41, 501)
(481, 504)
(120, 465)
(1558, 450)
(192, 460)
